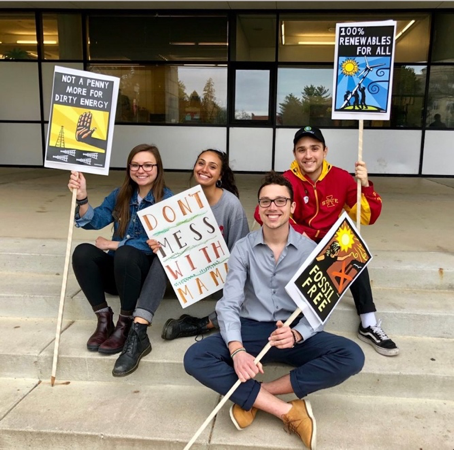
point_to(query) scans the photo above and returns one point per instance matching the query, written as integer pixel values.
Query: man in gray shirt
(251, 314)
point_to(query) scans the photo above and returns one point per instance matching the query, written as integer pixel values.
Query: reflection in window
(304, 97)
(255, 38)
(440, 108)
(18, 36)
(311, 37)
(62, 36)
(442, 48)
(158, 38)
(169, 93)
(252, 92)
(407, 100)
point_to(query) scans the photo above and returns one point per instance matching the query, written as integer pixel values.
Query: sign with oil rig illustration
(336, 262)
(82, 117)
(363, 70)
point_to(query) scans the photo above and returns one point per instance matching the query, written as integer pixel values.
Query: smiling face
(309, 154)
(274, 217)
(144, 179)
(207, 169)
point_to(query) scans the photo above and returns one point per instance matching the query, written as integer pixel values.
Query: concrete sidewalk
(418, 213)
(401, 403)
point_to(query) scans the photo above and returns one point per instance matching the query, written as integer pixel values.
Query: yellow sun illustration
(350, 67)
(345, 238)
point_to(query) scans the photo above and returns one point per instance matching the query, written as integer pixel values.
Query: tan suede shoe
(301, 421)
(241, 418)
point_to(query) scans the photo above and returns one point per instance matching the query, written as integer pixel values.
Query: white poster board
(336, 262)
(363, 70)
(81, 121)
(193, 251)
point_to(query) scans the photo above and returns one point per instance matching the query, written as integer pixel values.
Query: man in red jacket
(322, 192)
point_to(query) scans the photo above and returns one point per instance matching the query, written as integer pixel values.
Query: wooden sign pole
(63, 287)
(265, 349)
(358, 182)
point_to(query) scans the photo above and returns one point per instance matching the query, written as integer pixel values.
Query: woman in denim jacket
(119, 266)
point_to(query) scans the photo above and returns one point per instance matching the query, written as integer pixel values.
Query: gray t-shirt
(231, 218)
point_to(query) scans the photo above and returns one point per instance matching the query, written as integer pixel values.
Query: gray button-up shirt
(255, 285)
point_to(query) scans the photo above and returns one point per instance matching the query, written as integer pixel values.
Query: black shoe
(116, 341)
(104, 329)
(137, 346)
(185, 326)
(376, 337)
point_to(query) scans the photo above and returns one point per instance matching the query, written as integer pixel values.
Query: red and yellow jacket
(319, 204)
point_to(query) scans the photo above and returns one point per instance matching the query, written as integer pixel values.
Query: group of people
(295, 211)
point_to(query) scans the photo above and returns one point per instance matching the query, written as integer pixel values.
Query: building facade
(238, 80)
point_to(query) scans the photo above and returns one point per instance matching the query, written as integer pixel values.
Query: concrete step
(406, 312)
(100, 415)
(412, 312)
(388, 269)
(424, 369)
(12, 391)
(412, 270)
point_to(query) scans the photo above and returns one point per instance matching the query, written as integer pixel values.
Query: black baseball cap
(311, 132)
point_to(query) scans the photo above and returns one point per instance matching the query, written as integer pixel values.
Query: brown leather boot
(115, 343)
(103, 330)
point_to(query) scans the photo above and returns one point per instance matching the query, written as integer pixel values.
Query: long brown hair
(121, 211)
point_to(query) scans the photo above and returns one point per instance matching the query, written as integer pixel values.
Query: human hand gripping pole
(63, 286)
(265, 349)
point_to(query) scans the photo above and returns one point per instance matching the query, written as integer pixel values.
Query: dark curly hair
(227, 176)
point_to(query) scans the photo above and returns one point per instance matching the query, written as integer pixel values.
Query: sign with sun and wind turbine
(336, 262)
(363, 70)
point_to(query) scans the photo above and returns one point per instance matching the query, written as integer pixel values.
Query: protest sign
(331, 268)
(363, 70)
(82, 117)
(193, 251)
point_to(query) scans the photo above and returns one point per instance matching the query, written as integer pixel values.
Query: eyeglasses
(279, 201)
(148, 167)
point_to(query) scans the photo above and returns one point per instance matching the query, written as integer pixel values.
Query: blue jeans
(325, 360)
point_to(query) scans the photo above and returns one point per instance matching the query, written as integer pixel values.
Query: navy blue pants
(323, 361)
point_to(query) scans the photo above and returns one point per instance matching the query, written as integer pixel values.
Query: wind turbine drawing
(364, 75)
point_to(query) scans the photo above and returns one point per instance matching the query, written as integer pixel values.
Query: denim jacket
(101, 216)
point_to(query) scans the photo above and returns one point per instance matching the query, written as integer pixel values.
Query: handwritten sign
(331, 268)
(193, 251)
(363, 70)
(82, 118)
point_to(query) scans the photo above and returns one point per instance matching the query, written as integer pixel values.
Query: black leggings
(122, 274)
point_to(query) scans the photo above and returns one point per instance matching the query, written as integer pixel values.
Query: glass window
(304, 97)
(170, 93)
(440, 107)
(311, 37)
(255, 38)
(19, 83)
(62, 36)
(442, 48)
(252, 93)
(158, 38)
(412, 37)
(407, 102)
(18, 36)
